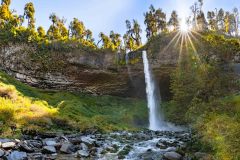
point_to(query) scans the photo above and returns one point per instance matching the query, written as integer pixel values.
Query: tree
(106, 41)
(194, 8)
(174, 21)
(236, 20)
(212, 22)
(133, 36)
(57, 30)
(77, 29)
(155, 20)
(5, 13)
(41, 32)
(29, 12)
(116, 40)
(201, 22)
(129, 42)
(136, 33)
(89, 36)
(229, 23)
(220, 18)
(161, 20)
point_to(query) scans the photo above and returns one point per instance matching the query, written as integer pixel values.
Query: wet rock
(84, 147)
(82, 154)
(49, 149)
(35, 143)
(8, 145)
(67, 148)
(172, 156)
(171, 149)
(161, 146)
(88, 141)
(36, 156)
(75, 140)
(1, 152)
(142, 136)
(25, 147)
(16, 155)
(51, 143)
(124, 152)
(93, 151)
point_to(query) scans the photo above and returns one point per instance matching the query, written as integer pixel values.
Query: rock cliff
(81, 71)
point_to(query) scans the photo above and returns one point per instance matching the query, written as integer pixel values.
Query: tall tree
(221, 21)
(132, 38)
(5, 13)
(77, 29)
(229, 23)
(41, 32)
(201, 22)
(155, 20)
(174, 21)
(89, 35)
(194, 8)
(106, 41)
(236, 20)
(136, 33)
(57, 30)
(29, 13)
(116, 40)
(212, 22)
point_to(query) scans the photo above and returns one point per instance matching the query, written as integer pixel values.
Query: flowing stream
(155, 118)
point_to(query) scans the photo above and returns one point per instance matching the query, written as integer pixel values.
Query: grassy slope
(32, 109)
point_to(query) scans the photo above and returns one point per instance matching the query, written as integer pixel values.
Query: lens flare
(184, 28)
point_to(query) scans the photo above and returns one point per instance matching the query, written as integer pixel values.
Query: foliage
(204, 89)
(155, 21)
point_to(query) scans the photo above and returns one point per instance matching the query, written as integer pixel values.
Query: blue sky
(107, 15)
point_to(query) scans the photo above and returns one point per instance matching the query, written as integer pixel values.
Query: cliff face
(77, 70)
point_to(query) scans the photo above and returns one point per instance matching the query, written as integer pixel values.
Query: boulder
(36, 156)
(1, 153)
(88, 141)
(172, 156)
(16, 155)
(82, 154)
(66, 148)
(35, 143)
(161, 146)
(51, 143)
(25, 147)
(49, 149)
(84, 147)
(8, 145)
(171, 149)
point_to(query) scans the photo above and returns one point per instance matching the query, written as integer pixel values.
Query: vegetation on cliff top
(78, 36)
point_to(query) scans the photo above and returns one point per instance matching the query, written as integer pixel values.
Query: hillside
(33, 110)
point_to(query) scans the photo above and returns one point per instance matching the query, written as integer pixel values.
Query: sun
(184, 28)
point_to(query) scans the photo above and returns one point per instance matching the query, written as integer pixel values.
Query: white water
(155, 120)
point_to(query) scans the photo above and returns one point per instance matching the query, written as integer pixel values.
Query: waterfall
(155, 119)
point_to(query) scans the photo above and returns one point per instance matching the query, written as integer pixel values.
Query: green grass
(29, 108)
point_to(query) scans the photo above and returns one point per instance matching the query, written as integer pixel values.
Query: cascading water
(155, 119)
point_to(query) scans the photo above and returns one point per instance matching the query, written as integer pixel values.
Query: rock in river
(8, 145)
(172, 156)
(16, 155)
(49, 149)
